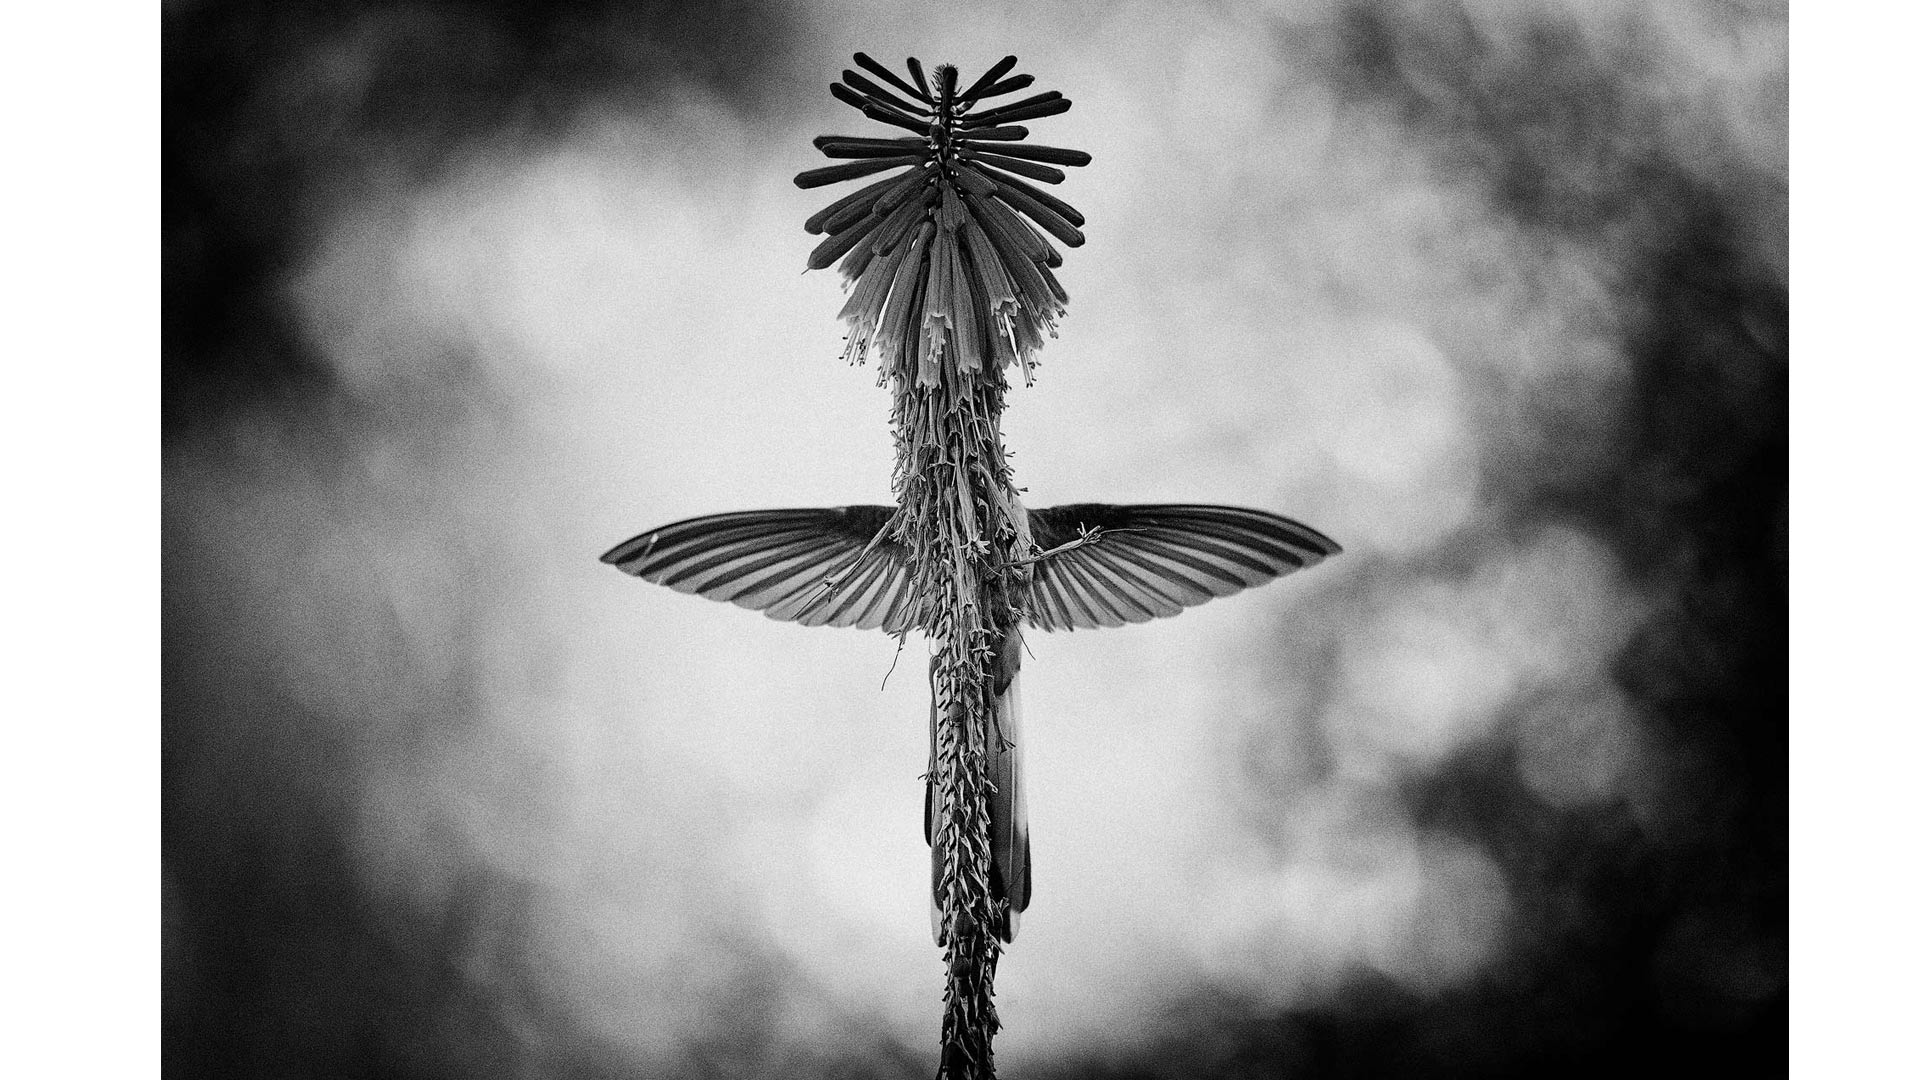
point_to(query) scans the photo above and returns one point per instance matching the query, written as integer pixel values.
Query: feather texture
(814, 567)
(1135, 563)
(1108, 565)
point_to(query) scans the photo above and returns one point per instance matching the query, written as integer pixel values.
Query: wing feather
(790, 599)
(1042, 611)
(778, 561)
(1057, 603)
(1073, 600)
(1127, 599)
(1154, 560)
(1148, 594)
(1093, 597)
(847, 604)
(1174, 554)
(745, 575)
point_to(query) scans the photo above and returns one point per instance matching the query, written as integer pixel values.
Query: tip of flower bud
(896, 81)
(1005, 65)
(1004, 86)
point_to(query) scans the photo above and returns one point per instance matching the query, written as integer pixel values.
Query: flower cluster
(947, 268)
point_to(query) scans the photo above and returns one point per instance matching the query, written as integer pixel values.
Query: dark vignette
(277, 963)
(1621, 965)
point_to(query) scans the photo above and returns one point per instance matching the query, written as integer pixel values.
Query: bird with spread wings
(951, 287)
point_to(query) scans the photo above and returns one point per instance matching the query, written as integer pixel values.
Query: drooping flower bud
(948, 269)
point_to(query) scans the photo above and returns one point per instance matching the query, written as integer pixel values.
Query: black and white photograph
(1058, 540)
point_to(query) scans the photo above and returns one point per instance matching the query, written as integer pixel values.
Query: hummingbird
(951, 289)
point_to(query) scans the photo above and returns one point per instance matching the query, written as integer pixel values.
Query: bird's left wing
(1111, 565)
(825, 567)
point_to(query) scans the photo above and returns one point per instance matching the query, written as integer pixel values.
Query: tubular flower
(945, 256)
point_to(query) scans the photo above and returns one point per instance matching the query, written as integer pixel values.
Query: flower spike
(948, 257)
(949, 271)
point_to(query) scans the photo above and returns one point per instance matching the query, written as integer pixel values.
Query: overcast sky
(1492, 294)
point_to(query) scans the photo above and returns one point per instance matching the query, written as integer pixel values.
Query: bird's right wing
(1150, 561)
(780, 562)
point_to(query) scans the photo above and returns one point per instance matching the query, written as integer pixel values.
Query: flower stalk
(950, 274)
(951, 285)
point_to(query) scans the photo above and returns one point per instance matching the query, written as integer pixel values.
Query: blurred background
(457, 296)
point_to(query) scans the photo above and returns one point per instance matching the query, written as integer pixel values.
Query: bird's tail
(1012, 859)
